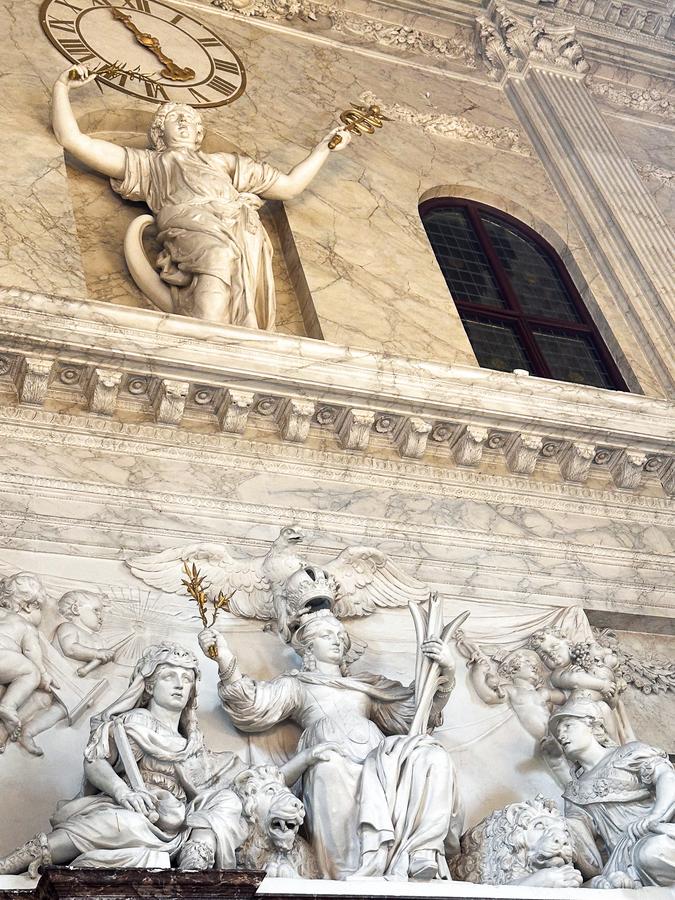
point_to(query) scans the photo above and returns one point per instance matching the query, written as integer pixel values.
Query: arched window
(518, 305)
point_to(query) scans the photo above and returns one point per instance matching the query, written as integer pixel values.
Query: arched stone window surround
(560, 254)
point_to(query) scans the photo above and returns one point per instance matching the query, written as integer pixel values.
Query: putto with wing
(355, 583)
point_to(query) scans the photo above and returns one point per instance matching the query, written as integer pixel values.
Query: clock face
(153, 51)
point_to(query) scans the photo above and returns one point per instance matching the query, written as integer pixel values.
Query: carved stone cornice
(206, 380)
(510, 44)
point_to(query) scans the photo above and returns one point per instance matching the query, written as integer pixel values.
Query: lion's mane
(500, 850)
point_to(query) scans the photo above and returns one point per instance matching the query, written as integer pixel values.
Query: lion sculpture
(274, 816)
(523, 843)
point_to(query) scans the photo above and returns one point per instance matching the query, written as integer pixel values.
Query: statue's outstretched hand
(345, 138)
(209, 638)
(76, 76)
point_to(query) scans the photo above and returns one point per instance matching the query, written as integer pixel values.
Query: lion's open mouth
(283, 830)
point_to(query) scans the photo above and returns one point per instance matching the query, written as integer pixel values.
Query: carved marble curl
(446, 125)
(651, 675)
(625, 97)
(510, 43)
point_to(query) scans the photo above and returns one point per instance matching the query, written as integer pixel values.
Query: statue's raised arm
(215, 261)
(105, 157)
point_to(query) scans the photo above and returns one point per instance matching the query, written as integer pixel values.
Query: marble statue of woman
(216, 257)
(180, 808)
(389, 806)
(620, 804)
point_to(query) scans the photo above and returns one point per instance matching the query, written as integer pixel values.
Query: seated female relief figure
(216, 258)
(388, 806)
(153, 794)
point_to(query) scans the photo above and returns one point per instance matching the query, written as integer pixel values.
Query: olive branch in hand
(196, 588)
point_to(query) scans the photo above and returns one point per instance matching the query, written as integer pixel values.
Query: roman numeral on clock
(225, 65)
(140, 5)
(77, 49)
(209, 42)
(223, 87)
(76, 9)
(63, 25)
(155, 90)
(200, 98)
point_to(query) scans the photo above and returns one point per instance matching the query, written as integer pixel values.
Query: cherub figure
(78, 637)
(583, 669)
(22, 669)
(517, 680)
(216, 258)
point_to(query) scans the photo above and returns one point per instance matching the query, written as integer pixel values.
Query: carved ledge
(170, 366)
(233, 409)
(66, 883)
(168, 398)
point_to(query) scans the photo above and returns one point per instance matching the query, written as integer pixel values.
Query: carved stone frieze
(233, 409)
(623, 96)
(101, 390)
(631, 16)
(510, 43)
(459, 128)
(368, 30)
(403, 406)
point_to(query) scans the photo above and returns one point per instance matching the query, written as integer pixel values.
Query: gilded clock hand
(170, 70)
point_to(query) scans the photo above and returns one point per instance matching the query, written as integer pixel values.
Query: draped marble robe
(616, 792)
(206, 209)
(389, 797)
(108, 835)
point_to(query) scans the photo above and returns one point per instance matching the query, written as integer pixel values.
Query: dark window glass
(516, 300)
(461, 258)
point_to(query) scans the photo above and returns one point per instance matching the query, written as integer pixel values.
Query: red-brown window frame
(513, 312)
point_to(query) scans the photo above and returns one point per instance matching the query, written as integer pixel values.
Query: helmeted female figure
(389, 805)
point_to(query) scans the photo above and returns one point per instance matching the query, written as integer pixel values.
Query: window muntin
(518, 305)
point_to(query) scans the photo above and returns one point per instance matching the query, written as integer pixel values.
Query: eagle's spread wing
(367, 578)
(241, 577)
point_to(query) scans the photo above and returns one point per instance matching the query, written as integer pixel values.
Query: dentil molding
(100, 363)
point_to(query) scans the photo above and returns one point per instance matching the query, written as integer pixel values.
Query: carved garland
(398, 37)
